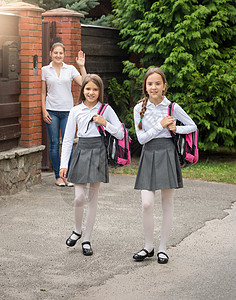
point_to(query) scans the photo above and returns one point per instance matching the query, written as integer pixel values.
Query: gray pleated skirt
(89, 161)
(159, 166)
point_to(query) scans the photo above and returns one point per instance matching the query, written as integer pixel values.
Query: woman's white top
(153, 115)
(59, 96)
(79, 118)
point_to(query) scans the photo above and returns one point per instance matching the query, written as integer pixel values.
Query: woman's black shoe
(87, 251)
(70, 242)
(162, 260)
(139, 257)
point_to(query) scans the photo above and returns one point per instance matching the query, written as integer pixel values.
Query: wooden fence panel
(103, 55)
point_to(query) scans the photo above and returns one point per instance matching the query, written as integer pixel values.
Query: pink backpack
(186, 144)
(118, 151)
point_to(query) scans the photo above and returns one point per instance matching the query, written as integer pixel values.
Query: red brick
(25, 26)
(23, 33)
(77, 25)
(66, 30)
(37, 84)
(37, 47)
(24, 85)
(27, 52)
(37, 33)
(27, 117)
(64, 24)
(26, 141)
(27, 72)
(36, 110)
(30, 104)
(37, 135)
(28, 130)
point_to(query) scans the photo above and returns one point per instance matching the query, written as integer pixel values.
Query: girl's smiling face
(57, 55)
(155, 88)
(91, 94)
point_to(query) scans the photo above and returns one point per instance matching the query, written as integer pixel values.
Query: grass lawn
(216, 168)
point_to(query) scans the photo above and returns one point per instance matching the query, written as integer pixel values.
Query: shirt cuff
(158, 127)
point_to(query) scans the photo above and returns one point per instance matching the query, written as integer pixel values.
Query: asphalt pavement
(35, 263)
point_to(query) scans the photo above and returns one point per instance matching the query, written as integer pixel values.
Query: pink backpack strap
(171, 108)
(100, 112)
(102, 109)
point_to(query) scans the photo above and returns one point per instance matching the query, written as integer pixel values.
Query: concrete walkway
(35, 263)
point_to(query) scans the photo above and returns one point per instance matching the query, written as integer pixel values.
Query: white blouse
(152, 117)
(79, 118)
(59, 96)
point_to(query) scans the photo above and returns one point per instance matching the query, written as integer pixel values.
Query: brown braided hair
(145, 93)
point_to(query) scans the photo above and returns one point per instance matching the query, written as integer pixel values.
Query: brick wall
(30, 31)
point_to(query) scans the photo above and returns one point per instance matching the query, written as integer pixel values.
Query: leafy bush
(194, 43)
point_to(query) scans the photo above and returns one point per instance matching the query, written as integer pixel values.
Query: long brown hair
(145, 93)
(96, 80)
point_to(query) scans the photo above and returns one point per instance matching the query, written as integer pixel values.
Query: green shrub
(194, 43)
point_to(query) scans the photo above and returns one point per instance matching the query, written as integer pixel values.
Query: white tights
(148, 217)
(79, 202)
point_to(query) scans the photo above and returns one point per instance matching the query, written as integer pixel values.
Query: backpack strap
(99, 112)
(171, 108)
(170, 113)
(102, 109)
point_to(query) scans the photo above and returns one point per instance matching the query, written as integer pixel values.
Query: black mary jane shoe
(162, 260)
(87, 251)
(70, 242)
(139, 257)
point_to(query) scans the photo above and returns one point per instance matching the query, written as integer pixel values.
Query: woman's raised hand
(80, 59)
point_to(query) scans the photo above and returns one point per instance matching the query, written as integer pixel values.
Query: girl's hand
(62, 173)
(165, 122)
(172, 127)
(46, 117)
(80, 59)
(100, 120)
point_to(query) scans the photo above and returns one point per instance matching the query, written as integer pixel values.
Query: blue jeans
(59, 120)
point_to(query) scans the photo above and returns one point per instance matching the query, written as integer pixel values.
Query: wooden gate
(10, 109)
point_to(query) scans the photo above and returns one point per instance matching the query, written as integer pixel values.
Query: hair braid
(142, 112)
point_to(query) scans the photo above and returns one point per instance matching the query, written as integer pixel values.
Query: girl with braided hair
(159, 167)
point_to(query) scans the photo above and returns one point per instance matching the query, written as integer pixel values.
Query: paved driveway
(36, 264)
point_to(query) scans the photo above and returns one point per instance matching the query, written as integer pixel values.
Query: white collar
(164, 102)
(95, 106)
(63, 65)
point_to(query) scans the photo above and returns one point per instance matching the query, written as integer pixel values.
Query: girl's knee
(79, 195)
(147, 204)
(79, 200)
